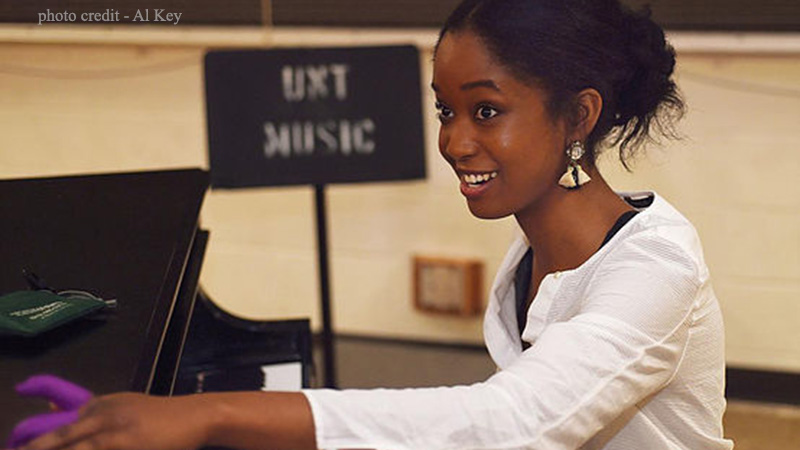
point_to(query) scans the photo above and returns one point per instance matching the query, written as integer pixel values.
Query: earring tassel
(574, 177)
(581, 176)
(567, 180)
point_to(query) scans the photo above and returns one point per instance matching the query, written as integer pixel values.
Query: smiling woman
(495, 129)
(602, 320)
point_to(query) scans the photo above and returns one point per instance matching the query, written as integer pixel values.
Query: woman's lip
(462, 174)
(475, 191)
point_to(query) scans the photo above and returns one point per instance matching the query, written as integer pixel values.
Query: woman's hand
(243, 420)
(134, 421)
(66, 399)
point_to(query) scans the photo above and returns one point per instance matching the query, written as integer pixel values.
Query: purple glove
(66, 396)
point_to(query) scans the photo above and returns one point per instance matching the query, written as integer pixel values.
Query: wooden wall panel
(710, 15)
(705, 15)
(369, 13)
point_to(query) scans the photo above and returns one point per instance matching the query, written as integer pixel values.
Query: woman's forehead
(463, 55)
(463, 61)
(461, 45)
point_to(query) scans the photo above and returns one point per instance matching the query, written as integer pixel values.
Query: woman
(602, 320)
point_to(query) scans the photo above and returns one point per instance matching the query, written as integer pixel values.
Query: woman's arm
(242, 420)
(619, 339)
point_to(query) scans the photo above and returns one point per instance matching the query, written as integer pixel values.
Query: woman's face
(495, 131)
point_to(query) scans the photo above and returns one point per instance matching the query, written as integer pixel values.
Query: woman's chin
(482, 212)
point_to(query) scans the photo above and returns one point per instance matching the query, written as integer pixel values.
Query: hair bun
(652, 65)
(649, 86)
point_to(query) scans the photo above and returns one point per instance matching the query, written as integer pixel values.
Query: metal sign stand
(329, 361)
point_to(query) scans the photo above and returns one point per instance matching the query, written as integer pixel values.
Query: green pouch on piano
(29, 313)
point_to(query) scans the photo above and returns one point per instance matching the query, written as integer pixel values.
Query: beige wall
(75, 101)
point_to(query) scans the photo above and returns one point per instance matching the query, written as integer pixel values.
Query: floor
(367, 363)
(759, 426)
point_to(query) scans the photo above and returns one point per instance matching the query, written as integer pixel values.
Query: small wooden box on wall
(448, 285)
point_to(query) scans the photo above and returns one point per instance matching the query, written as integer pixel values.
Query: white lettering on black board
(346, 137)
(302, 83)
(314, 83)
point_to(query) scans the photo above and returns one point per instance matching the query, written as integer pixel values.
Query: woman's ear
(589, 105)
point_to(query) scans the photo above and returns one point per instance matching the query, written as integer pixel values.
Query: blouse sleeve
(625, 343)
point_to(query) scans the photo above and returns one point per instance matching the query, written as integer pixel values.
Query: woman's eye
(444, 112)
(485, 112)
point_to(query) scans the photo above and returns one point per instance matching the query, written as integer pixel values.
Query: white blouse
(627, 353)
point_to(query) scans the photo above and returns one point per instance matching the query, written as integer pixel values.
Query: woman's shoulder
(662, 233)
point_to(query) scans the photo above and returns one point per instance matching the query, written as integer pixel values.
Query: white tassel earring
(574, 177)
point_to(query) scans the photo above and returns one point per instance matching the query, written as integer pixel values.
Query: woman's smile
(474, 184)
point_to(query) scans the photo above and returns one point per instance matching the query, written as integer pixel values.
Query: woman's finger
(36, 426)
(68, 435)
(97, 441)
(66, 395)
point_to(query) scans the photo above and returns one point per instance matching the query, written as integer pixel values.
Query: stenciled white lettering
(317, 82)
(301, 83)
(339, 72)
(306, 138)
(361, 141)
(276, 140)
(292, 84)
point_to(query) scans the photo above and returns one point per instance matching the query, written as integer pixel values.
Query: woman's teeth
(477, 179)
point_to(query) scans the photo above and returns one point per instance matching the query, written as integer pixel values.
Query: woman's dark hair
(565, 46)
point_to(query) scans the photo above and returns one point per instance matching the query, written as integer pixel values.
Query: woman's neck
(567, 227)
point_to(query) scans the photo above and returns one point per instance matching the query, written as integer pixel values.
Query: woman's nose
(456, 142)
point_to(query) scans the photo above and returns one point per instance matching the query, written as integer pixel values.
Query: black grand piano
(134, 237)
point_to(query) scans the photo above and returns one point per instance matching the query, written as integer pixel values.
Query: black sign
(314, 116)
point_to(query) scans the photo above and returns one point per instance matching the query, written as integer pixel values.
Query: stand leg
(324, 286)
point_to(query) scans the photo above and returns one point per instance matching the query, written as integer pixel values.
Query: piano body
(134, 237)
